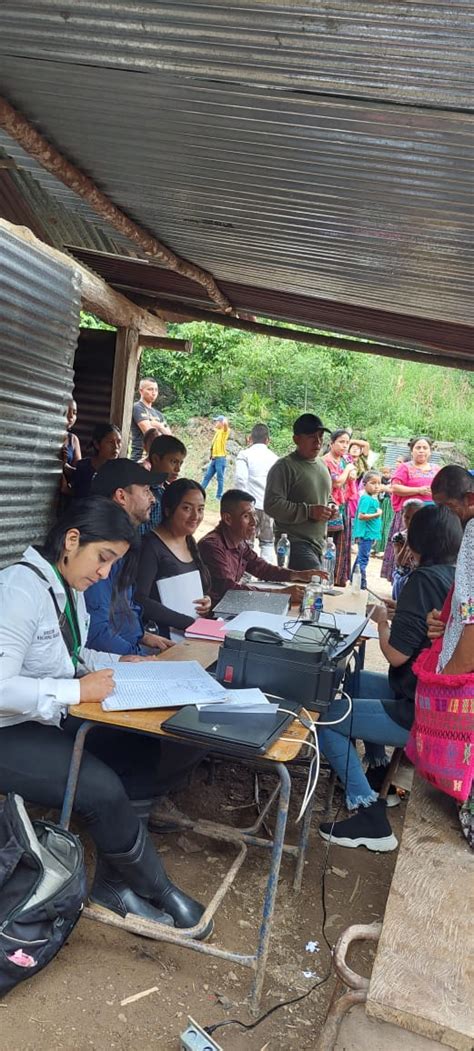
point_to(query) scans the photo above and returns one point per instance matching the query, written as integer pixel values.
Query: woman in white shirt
(45, 667)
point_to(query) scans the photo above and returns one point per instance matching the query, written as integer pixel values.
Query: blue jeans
(362, 559)
(372, 723)
(216, 467)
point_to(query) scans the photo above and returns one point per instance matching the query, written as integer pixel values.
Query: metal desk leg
(303, 844)
(272, 887)
(73, 775)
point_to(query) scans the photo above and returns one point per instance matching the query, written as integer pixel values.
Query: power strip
(195, 1039)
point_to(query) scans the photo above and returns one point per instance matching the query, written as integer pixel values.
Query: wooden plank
(423, 978)
(149, 720)
(127, 357)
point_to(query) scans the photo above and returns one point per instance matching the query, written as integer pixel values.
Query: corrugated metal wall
(39, 319)
(93, 373)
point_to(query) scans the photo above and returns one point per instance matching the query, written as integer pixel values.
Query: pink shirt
(411, 475)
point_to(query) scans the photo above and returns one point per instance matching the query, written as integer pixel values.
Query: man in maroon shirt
(228, 555)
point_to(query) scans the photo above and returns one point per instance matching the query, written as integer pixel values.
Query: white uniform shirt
(36, 672)
(251, 468)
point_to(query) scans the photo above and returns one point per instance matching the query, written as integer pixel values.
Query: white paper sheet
(164, 685)
(180, 592)
(250, 701)
(254, 619)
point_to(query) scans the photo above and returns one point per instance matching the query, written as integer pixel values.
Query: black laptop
(246, 735)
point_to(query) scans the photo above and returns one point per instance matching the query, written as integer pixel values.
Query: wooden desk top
(149, 720)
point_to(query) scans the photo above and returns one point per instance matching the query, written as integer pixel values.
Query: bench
(422, 979)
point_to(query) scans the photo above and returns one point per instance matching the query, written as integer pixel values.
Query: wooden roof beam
(170, 310)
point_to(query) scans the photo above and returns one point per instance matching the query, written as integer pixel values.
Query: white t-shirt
(462, 604)
(251, 468)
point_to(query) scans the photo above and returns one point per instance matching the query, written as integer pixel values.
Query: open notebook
(161, 685)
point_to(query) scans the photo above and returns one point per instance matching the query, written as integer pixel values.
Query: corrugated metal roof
(39, 306)
(399, 51)
(357, 202)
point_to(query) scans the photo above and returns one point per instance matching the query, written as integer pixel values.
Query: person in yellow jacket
(218, 460)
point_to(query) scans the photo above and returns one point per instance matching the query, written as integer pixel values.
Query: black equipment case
(300, 670)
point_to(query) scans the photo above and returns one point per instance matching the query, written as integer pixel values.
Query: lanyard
(71, 616)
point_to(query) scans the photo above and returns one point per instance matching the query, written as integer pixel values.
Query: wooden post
(127, 357)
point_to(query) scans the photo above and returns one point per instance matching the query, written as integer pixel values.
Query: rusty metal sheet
(39, 308)
(415, 52)
(358, 202)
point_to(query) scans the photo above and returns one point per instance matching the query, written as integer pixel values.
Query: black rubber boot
(111, 892)
(142, 869)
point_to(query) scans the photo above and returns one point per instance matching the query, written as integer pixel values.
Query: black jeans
(303, 555)
(116, 766)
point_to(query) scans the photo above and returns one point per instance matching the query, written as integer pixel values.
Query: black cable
(210, 1029)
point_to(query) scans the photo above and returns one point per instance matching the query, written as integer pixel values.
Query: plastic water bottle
(329, 561)
(308, 598)
(356, 581)
(318, 604)
(283, 551)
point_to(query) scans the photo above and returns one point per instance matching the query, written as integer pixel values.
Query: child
(218, 461)
(367, 525)
(167, 455)
(405, 561)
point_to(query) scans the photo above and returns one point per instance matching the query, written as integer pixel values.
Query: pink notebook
(206, 629)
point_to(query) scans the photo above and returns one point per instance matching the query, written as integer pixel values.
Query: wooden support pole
(127, 358)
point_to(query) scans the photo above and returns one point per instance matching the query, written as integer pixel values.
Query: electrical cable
(321, 981)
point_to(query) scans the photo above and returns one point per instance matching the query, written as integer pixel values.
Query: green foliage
(91, 321)
(272, 379)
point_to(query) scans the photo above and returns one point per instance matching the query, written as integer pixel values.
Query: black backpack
(42, 891)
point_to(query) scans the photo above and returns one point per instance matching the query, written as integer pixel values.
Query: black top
(142, 412)
(157, 563)
(426, 589)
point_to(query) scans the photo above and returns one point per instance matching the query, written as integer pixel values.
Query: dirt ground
(76, 1003)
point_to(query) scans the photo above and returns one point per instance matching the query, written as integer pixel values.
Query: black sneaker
(376, 777)
(368, 828)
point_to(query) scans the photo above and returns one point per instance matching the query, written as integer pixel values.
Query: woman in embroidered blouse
(411, 478)
(343, 474)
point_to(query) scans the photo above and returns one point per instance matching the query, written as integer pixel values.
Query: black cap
(308, 424)
(118, 474)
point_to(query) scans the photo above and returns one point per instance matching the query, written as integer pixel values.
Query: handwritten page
(161, 685)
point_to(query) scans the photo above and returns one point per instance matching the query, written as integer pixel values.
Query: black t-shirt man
(145, 416)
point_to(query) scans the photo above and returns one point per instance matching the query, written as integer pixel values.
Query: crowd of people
(121, 577)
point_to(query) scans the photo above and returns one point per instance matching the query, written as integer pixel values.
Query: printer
(308, 668)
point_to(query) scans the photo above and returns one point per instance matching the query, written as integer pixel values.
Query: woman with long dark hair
(412, 478)
(44, 668)
(383, 713)
(343, 477)
(105, 444)
(170, 564)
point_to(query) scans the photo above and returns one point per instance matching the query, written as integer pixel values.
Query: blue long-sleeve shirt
(123, 637)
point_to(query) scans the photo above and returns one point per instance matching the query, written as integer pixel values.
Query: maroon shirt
(227, 562)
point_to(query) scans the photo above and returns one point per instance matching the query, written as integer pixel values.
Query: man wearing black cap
(128, 484)
(297, 494)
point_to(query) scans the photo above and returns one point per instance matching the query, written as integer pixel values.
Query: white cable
(335, 722)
